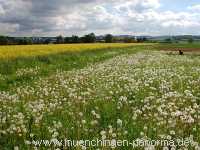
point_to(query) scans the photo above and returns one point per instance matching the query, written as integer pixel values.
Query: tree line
(89, 38)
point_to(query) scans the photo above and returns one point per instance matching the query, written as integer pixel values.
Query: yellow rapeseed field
(7, 52)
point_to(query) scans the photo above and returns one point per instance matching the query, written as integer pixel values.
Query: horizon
(131, 17)
(115, 35)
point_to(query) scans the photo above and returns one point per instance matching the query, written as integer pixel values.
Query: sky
(118, 17)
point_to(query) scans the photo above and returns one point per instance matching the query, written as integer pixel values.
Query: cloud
(2, 12)
(151, 3)
(194, 7)
(8, 28)
(51, 18)
(182, 23)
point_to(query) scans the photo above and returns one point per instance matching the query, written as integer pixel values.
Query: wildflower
(80, 114)
(142, 134)
(94, 122)
(119, 122)
(55, 134)
(98, 116)
(114, 135)
(169, 137)
(27, 142)
(125, 132)
(172, 132)
(16, 148)
(83, 122)
(93, 112)
(194, 129)
(103, 132)
(83, 147)
(145, 128)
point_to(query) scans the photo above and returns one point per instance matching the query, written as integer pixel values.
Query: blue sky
(69, 17)
(177, 5)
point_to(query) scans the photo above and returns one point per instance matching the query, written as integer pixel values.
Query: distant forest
(92, 38)
(89, 38)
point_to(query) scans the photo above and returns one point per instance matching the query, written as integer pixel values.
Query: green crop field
(132, 92)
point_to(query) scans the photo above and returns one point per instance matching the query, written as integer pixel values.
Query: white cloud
(99, 16)
(8, 28)
(151, 4)
(181, 23)
(2, 12)
(194, 7)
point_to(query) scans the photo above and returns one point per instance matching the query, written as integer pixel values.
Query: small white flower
(119, 122)
(83, 147)
(194, 129)
(83, 122)
(114, 135)
(103, 132)
(104, 137)
(93, 112)
(142, 134)
(80, 114)
(172, 132)
(16, 148)
(145, 128)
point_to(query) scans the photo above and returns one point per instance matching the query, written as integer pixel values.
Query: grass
(176, 45)
(15, 71)
(122, 94)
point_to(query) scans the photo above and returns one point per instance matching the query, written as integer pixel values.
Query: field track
(182, 49)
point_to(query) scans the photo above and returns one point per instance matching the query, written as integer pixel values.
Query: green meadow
(135, 92)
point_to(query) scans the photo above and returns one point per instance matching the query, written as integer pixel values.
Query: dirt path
(182, 49)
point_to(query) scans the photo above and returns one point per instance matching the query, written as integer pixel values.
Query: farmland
(46, 59)
(8, 52)
(120, 92)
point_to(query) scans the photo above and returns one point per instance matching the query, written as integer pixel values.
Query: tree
(24, 41)
(129, 40)
(190, 40)
(59, 39)
(89, 38)
(75, 39)
(108, 38)
(3, 40)
(46, 41)
(67, 40)
(28, 41)
(168, 40)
